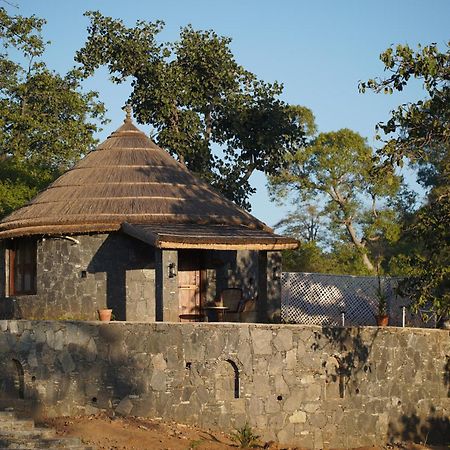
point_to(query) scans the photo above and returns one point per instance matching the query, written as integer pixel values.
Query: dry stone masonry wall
(299, 385)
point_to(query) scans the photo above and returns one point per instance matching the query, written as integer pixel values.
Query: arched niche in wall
(12, 384)
(227, 385)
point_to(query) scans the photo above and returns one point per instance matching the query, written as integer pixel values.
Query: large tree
(46, 121)
(206, 109)
(336, 172)
(420, 133)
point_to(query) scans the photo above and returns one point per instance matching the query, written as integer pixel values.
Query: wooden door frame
(198, 257)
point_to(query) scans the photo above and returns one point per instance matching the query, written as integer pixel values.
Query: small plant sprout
(245, 437)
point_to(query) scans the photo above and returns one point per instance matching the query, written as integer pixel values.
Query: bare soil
(132, 433)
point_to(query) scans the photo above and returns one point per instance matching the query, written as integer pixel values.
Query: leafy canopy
(199, 100)
(417, 131)
(335, 172)
(420, 132)
(46, 121)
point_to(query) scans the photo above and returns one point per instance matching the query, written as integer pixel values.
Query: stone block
(313, 392)
(286, 436)
(32, 359)
(317, 420)
(283, 340)
(91, 350)
(294, 401)
(281, 387)
(261, 341)
(59, 341)
(318, 440)
(124, 407)
(255, 406)
(140, 360)
(158, 381)
(50, 338)
(66, 361)
(25, 342)
(272, 405)
(261, 385)
(3, 325)
(291, 359)
(298, 417)
(158, 362)
(13, 327)
(275, 366)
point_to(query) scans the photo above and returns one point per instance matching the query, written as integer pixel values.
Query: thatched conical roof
(128, 178)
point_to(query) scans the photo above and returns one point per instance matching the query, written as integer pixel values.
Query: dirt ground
(132, 433)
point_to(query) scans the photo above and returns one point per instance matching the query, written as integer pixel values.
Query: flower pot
(383, 320)
(104, 314)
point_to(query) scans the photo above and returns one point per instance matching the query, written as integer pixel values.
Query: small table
(220, 311)
(191, 317)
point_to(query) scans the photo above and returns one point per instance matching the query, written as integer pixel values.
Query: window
(22, 267)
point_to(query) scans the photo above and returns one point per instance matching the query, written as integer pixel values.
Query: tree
(336, 171)
(46, 121)
(420, 133)
(199, 101)
(306, 223)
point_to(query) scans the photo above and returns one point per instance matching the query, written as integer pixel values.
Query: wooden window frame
(22, 245)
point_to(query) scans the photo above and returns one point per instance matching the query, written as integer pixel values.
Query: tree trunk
(208, 125)
(337, 197)
(360, 246)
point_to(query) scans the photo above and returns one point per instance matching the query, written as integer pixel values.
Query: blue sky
(319, 50)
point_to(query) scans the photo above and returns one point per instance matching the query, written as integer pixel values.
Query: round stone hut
(131, 229)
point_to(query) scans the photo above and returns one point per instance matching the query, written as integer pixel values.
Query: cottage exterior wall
(307, 386)
(75, 279)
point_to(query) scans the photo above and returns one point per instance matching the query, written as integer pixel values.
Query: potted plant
(105, 315)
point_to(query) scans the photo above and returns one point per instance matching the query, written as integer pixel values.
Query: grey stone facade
(74, 280)
(77, 277)
(299, 385)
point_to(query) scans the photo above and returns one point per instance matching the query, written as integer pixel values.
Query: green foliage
(420, 132)
(336, 172)
(382, 297)
(342, 259)
(245, 437)
(199, 99)
(309, 257)
(45, 118)
(426, 261)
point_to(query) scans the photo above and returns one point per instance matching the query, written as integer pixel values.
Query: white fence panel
(323, 299)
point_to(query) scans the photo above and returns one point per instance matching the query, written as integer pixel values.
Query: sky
(318, 49)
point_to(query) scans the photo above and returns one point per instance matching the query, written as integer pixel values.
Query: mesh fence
(334, 300)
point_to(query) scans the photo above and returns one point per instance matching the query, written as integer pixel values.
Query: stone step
(17, 425)
(36, 433)
(21, 434)
(6, 416)
(65, 447)
(31, 446)
(22, 408)
(50, 443)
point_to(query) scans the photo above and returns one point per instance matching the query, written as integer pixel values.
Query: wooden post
(166, 286)
(261, 304)
(274, 286)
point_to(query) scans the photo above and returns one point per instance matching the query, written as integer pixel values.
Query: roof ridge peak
(128, 113)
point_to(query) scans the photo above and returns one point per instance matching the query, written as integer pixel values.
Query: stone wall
(300, 385)
(74, 279)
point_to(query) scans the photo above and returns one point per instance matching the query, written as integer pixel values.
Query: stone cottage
(131, 229)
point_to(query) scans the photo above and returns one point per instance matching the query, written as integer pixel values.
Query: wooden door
(189, 284)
